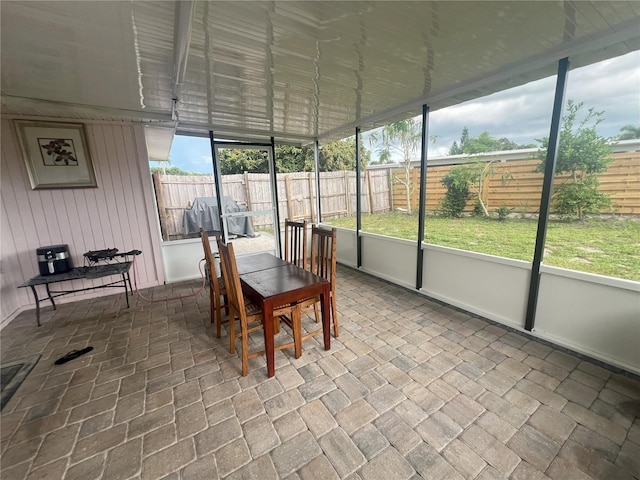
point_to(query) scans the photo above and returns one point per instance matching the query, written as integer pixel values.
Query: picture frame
(56, 154)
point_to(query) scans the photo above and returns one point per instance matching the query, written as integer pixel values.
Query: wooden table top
(288, 280)
(257, 262)
(280, 283)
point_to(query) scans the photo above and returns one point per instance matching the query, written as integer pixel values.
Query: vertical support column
(358, 200)
(316, 160)
(274, 189)
(422, 207)
(547, 190)
(218, 177)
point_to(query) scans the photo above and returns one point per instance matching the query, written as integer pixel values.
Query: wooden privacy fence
(381, 191)
(296, 196)
(523, 190)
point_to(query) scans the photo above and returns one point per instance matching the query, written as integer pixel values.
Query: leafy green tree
(334, 156)
(341, 155)
(294, 159)
(459, 149)
(403, 137)
(486, 143)
(236, 160)
(482, 143)
(174, 171)
(582, 153)
(629, 132)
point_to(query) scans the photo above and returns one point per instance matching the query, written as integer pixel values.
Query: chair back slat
(323, 253)
(206, 246)
(209, 259)
(231, 277)
(295, 242)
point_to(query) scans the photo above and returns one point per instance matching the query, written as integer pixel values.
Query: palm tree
(403, 137)
(629, 132)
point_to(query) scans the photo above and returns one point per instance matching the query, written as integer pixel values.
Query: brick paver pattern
(411, 389)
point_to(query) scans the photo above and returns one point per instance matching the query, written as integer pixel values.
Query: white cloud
(523, 114)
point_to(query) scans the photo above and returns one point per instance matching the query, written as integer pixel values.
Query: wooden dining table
(271, 282)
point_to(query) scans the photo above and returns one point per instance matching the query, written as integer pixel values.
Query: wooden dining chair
(247, 312)
(323, 264)
(217, 288)
(295, 242)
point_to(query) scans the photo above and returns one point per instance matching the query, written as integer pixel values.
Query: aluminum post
(547, 190)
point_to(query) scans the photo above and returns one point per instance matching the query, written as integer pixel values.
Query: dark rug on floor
(12, 374)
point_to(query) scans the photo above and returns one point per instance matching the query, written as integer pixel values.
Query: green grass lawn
(606, 247)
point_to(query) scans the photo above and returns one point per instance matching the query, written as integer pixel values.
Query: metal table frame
(81, 273)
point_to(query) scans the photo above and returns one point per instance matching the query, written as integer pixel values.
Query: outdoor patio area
(410, 389)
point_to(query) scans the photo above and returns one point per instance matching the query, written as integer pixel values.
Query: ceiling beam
(14, 102)
(235, 133)
(182, 39)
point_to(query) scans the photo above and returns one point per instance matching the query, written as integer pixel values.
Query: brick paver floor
(410, 389)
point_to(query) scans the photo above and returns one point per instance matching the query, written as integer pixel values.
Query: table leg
(35, 295)
(126, 292)
(129, 280)
(46, 285)
(326, 316)
(267, 320)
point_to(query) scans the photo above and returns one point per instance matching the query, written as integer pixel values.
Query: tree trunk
(407, 187)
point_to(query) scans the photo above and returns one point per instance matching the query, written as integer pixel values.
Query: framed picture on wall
(56, 154)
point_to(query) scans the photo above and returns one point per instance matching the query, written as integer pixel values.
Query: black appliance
(54, 259)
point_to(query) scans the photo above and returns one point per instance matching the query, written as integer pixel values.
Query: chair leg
(218, 318)
(316, 312)
(212, 307)
(334, 314)
(296, 323)
(245, 348)
(232, 332)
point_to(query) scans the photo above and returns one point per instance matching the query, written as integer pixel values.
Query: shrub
(580, 198)
(478, 211)
(457, 182)
(503, 213)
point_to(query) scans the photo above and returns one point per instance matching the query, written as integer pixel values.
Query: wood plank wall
(120, 213)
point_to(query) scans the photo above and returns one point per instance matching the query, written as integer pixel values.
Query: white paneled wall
(398, 262)
(597, 315)
(493, 287)
(118, 214)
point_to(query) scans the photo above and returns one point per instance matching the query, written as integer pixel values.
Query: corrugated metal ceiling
(293, 70)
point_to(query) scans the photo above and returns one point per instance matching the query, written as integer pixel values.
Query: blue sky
(520, 114)
(192, 154)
